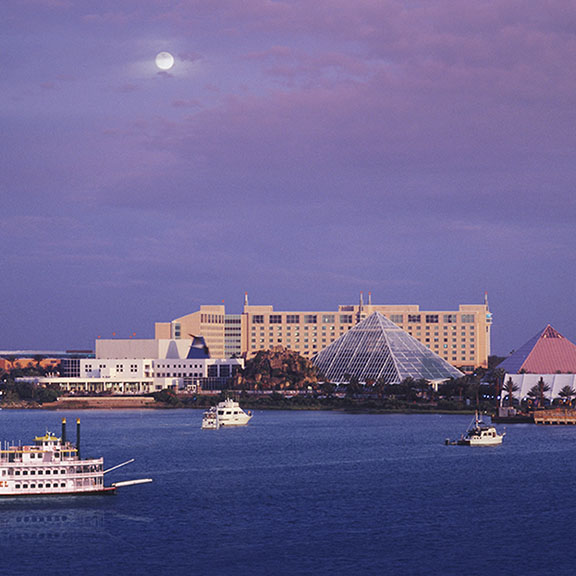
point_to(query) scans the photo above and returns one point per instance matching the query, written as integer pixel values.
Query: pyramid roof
(377, 348)
(198, 349)
(546, 353)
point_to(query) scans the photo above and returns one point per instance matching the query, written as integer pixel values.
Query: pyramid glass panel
(378, 349)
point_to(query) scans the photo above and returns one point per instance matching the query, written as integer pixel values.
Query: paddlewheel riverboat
(53, 465)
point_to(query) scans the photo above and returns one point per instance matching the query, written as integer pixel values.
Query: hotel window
(293, 319)
(310, 318)
(328, 318)
(345, 319)
(432, 318)
(414, 318)
(275, 319)
(397, 318)
(258, 319)
(450, 318)
(468, 318)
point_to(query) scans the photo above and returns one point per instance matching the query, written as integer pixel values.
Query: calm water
(300, 493)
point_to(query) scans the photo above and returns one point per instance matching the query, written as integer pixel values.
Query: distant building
(47, 360)
(144, 366)
(461, 337)
(377, 349)
(546, 353)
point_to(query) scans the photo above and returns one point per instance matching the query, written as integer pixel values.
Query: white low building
(554, 383)
(144, 366)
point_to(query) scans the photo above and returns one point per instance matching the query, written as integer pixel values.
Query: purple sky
(301, 151)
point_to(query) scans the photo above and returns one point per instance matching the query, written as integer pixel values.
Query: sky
(302, 152)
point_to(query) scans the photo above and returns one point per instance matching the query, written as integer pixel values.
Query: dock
(562, 416)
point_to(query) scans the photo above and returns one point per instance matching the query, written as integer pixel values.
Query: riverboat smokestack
(63, 431)
(78, 437)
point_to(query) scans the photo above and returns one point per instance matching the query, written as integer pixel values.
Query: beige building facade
(461, 337)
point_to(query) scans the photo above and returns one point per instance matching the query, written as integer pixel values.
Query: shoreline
(149, 403)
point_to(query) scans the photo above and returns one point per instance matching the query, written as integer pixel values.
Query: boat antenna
(78, 436)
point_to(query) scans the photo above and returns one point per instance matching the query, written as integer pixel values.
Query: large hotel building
(461, 337)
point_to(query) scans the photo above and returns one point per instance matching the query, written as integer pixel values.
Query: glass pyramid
(376, 348)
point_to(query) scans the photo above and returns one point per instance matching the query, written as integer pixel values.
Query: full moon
(164, 60)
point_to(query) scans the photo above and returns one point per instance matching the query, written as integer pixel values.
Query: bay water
(304, 492)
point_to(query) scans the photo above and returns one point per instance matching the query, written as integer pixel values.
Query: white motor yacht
(227, 413)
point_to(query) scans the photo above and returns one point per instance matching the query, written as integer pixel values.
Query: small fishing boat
(53, 466)
(227, 413)
(478, 434)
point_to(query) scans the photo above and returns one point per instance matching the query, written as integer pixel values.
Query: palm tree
(567, 393)
(354, 387)
(538, 391)
(509, 388)
(498, 375)
(380, 387)
(328, 389)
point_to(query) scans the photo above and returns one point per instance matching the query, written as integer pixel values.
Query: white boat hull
(486, 441)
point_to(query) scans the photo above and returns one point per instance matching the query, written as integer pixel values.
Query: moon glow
(164, 60)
